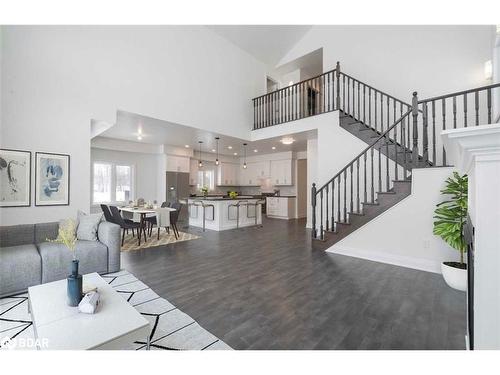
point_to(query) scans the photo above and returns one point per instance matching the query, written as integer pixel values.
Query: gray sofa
(27, 259)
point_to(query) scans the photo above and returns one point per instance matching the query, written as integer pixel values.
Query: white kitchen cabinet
(254, 173)
(280, 207)
(281, 172)
(228, 174)
(193, 172)
(178, 164)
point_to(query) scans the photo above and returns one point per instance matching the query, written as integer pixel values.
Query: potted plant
(204, 190)
(233, 194)
(67, 237)
(450, 218)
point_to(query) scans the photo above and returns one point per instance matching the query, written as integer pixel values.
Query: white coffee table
(115, 325)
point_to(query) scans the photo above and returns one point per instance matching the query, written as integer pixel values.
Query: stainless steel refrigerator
(178, 188)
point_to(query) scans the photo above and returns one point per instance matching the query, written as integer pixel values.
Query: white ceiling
(267, 43)
(159, 132)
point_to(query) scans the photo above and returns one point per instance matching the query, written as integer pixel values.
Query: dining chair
(174, 217)
(107, 213)
(151, 220)
(118, 219)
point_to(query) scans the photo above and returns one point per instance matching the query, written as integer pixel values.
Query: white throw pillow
(87, 226)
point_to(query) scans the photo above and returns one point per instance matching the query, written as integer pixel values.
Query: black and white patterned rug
(171, 329)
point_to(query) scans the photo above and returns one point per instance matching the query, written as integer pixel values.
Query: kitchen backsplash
(246, 190)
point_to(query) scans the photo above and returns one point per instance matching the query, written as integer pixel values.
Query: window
(123, 183)
(206, 178)
(112, 183)
(102, 182)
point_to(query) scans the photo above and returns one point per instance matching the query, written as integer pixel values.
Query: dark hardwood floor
(266, 288)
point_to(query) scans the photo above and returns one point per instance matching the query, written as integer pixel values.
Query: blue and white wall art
(52, 179)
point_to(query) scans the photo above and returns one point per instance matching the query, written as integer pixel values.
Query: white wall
(401, 59)
(146, 170)
(56, 79)
(403, 235)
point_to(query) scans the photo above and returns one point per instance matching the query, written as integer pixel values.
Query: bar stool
(256, 205)
(237, 205)
(204, 206)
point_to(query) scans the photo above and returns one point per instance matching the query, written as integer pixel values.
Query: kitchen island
(224, 213)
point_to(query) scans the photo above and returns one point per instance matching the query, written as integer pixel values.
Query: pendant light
(244, 156)
(200, 163)
(217, 149)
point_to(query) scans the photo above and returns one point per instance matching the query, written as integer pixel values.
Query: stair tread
(371, 204)
(342, 223)
(357, 213)
(386, 192)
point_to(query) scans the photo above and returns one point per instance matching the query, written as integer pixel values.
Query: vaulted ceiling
(267, 43)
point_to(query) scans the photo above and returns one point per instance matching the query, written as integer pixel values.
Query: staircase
(400, 136)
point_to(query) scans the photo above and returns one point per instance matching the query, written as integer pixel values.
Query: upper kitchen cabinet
(281, 172)
(254, 173)
(193, 172)
(178, 164)
(228, 174)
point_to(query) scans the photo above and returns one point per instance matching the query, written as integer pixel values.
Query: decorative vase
(74, 285)
(454, 276)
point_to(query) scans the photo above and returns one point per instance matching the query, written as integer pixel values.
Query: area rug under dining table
(171, 329)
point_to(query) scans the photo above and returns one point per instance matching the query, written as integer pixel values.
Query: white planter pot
(456, 278)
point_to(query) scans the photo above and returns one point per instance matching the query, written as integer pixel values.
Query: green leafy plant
(452, 214)
(204, 189)
(233, 194)
(67, 235)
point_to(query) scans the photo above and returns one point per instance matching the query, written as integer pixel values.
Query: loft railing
(330, 91)
(412, 141)
(451, 111)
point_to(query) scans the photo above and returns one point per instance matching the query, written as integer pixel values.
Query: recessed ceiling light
(255, 150)
(213, 150)
(230, 147)
(274, 147)
(187, 146)
(139, 138)
(235, 154)
(287, 140)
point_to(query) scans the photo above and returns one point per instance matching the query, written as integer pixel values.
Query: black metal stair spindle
(372, 185)
(476, 104)
(489, 105)
(349, 95)
(443, 108)
(375, 108)
(379, 168)
(321, 230)
(326, 207)
(357, 185)
(465, 110)
(351, 207)
(425, 135)
(345, 195)
(333, 206)
(313, 210)
(338, 199)
(365, 193)
(433, 110)
(387, 178)
(454, 112)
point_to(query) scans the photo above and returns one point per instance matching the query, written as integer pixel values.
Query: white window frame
(113, 165)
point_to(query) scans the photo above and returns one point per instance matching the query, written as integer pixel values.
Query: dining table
(139, 214)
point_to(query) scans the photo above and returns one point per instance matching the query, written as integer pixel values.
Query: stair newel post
(425, 135)
(313, 210)
(414, 113)
(337, 74)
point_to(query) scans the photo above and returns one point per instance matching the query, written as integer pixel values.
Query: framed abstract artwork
(15, 178)
(51, 179)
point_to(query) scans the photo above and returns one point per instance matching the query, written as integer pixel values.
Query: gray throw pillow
(87, 226)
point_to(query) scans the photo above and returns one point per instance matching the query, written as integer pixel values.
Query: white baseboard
(382, 257)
